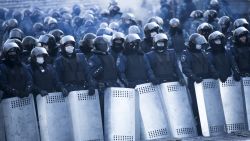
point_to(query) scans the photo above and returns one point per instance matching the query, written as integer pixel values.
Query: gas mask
(69, 49)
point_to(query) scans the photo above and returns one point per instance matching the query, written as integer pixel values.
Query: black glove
(43, 93)
(64, 92)
(236, 76)
(155, 81)
(182, 82)
(196, 79)
(223, 78)
(215, 76)
(12, 91)
(91, 91)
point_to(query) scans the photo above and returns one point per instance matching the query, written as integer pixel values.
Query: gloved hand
(64, 92)
(155, 81)
(196, 79)
(91, 91)
(182, 82)
(12, 91)
(223, 78)
(43, 93)
(236, 76)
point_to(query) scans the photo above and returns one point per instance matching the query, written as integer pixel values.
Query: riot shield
(154, 123)
(120, 114)
(54, 118)
(20, 119)
(2, 130)
(178, 109)
(233, 105)
(246, 90)
(210, 107)
(86, 116)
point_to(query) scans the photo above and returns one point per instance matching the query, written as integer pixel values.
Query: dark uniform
(131, 63)
(117, 46)
(44, 76)
(241, 50)
(221, 58)
(15, 79)
(72, 68)
(87, 44)
(196, 67)
(150, 29)
(163, 62)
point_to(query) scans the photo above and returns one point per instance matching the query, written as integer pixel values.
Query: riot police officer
(15, 79)
(16, 33)
(102, 65)
(211, 18)
(221, 58)
(87, 44)
(103, 68)
(117, 46)
(241, 50)
(131, 63)
(72, 68)
(58, 34)
(226, 28)
(44, 76)
(150, 30)
(162, 62)
(196, 16)
(48, 41)
(28, 44)
(196, 67)
(205, 29)
(241, 22)
(177, 36)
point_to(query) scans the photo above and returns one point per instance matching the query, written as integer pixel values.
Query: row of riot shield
(74, 118)
(223, 107)
(147, 112)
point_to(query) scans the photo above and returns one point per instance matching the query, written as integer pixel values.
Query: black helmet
(238, 33)
(241, 22)
(217, 40)
(100, 45)
(68, 39)
(29, 43)
(118, 36)
(205, 29)
(8, 46)
(38, 27)
(17, 41)
(196, 14)
(224, 22)
(87, 43)
(160, 41)
(48, 41)
(157, 20)
(210, 15)
(132, 42)
(37, 51)
(10, 24)
(174, 22)
(196, 42)
(16, 33)
(57, 33)
(151, 28)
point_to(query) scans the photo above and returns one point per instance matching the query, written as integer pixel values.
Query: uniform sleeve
(121, 66)
(149, 70)
(186, 64)
(95, 67)
(177, 68)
